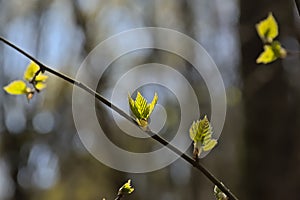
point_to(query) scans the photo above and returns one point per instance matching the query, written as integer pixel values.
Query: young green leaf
(271, 53)
(200, 133)
(209, 145)
(279, 51)
(133, 109)
(141, 105)
(40, 85)
(126, 188)
(16, 88)
(152, 104)
(219, 194)
(267, 55)
(30, 72)
(141, 109)
(267, 29)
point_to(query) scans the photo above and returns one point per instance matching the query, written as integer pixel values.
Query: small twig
(33, 81)
(119, 197)
(156, 137)
(297, 2)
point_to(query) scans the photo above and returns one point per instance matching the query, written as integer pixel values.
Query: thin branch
(119, 197)
(297, 2)
(156, 137)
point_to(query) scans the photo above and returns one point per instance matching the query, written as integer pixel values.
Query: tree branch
(297, 2)
(156, 137)
(119, 197)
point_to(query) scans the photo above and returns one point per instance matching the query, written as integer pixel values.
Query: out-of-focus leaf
(201, 130)
(40, 85)
(219, 194)
(30, 72)
(279, 51)
(210, 145)
(41, 78)
(16, 88)
(267, 29)
(271, 53)
(126, 188)
(133, 109)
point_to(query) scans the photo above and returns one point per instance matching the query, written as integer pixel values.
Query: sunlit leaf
(41, 78)
(30, 72)
(200, 130)
(194, 131)
(271, 53)
(210, 145)
(126, 188)
(152, 104)
(40, 85)
(201, 133)
(141, 109)
(267, 29)
(16, 88)
(279, 51)
(267, 55)
(219, 194)
(142, 122)
(133, 109)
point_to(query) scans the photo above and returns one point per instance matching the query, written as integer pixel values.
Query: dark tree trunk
(270, 109)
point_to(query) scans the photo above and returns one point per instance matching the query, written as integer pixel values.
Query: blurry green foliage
(267, 30)
(219, 194)
(126, 188)
(32, 75)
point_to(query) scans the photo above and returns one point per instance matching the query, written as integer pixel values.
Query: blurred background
(258, 155)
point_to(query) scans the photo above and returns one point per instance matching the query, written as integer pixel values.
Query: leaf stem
(292, 52)
(156, 137)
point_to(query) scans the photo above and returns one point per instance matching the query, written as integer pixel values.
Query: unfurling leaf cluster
(267, 30)
(33, 75)
(141, 109)
(126, 189)
(201, 134)
(219, 194)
